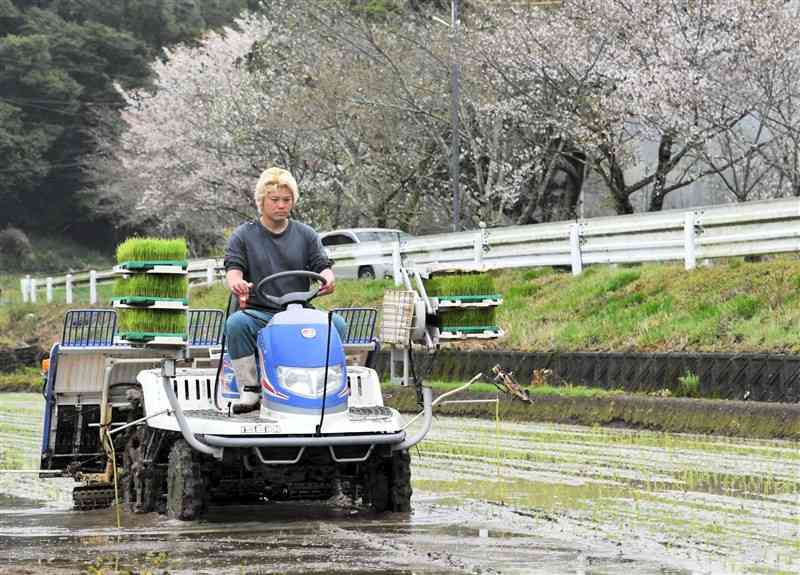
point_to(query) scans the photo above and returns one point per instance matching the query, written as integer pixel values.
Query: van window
(368, 236)
(337, 240)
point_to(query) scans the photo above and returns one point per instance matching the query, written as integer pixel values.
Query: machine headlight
(310, 381)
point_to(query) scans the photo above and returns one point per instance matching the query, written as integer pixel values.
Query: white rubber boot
(249, 388)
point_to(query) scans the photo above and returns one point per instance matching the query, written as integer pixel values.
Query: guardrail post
(575, 249)
(32, 288)
(93, 287)
(396, 264)
(478, 243)
(23, 288)
(68, 288)
(689, 256)
(49, 290)
(210, 268)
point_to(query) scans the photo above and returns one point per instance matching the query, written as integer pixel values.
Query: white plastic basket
(398, 316)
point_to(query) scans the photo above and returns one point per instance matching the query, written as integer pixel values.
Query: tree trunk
(615, 179)
(660, 181)
(534, 199)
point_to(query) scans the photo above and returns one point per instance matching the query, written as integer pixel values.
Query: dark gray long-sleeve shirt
(258, 253)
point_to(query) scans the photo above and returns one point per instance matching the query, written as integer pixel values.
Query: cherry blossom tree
(607, 75)
(357, 105)
(271, 90)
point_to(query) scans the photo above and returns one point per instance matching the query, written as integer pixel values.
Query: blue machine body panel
(299, 339)
(228, 383)
(49, 398)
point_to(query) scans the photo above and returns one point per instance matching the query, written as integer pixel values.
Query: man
(273, 243)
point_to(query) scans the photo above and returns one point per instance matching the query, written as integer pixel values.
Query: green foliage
(24, 379)
(61, 60)
(17, 322)
(377, 8)
(536, 273)
(53, 72)
(521, 291)
(744, 306)
(151, 249)
(752, 306)
(15, 247)
(621, 279)
(688, 385)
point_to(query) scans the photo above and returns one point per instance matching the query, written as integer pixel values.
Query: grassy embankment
(733, 306)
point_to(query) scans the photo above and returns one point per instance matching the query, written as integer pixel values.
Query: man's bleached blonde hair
(271, 179)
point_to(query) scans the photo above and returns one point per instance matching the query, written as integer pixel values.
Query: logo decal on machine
(262, 428)
(308, 332)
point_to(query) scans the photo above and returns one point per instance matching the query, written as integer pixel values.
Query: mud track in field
(533, 498)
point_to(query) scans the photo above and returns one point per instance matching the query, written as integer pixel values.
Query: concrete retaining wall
(753, 377)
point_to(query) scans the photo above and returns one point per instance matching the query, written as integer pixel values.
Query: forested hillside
(59, 63)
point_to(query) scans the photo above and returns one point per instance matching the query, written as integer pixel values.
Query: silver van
(350, 236)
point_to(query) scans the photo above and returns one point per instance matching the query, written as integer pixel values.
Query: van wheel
(140, 483)
(187, 497)
(366, 273)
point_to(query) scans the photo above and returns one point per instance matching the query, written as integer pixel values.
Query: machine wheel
(187, 497)
(366, 273)
(140, 482)
(390, 484)
(401, 481)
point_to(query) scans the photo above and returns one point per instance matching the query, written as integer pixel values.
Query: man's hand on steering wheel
(329, 287)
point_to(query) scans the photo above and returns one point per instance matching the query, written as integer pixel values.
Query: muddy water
(532, 498)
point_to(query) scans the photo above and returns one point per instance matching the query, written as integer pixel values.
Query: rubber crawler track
(187, 497)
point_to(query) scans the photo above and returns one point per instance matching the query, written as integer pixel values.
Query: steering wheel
(291, 297)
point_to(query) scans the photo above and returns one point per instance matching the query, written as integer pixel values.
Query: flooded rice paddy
(524, 498)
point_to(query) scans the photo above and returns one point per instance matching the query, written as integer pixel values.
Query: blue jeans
(241, 331)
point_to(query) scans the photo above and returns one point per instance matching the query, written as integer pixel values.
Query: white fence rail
(767, 227)
(203, 271)
(754, 228)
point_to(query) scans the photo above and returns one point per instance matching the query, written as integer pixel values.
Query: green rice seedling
(152, 285)
(151, 321)
(463, 285)
(468, 317)
(152, 249)
(460, 284)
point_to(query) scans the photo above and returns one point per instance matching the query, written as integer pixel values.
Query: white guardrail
(753, 228)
